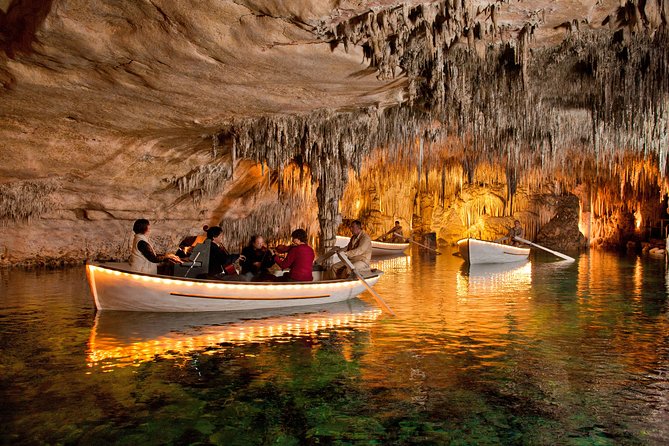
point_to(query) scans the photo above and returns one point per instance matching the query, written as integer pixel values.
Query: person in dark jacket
(221, 262)
(258, 260)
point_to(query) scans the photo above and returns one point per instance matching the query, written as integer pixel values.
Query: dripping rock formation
(263, 115)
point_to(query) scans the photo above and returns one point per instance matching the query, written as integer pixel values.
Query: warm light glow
(494, 278)
(112, 350)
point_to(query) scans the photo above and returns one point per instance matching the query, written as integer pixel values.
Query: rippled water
(541, 353)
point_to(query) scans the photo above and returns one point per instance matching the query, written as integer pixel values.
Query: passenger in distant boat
(258, 260)
(395, 234)
(299, 258)
(143, 258)
(222, 264)
(358, 251)
(515, 231)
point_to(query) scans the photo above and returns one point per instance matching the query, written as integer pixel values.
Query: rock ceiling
(113, 104)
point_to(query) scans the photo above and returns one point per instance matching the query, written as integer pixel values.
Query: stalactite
(203, 181)
(22, 200)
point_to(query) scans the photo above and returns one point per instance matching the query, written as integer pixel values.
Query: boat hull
(378, 248)
(115, 287)
(476, 252)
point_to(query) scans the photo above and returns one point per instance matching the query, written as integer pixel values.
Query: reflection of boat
(477, 251)
(494, 277)
(122, 338)
(114, 287)
(378, 248)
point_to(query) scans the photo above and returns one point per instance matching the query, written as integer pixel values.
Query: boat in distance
(379, 248)
(115, 287)
(475, 251)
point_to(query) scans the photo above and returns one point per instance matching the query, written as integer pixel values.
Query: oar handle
(326, 256)
(376, 296)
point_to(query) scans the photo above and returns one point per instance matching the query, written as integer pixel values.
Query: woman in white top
(143, 258)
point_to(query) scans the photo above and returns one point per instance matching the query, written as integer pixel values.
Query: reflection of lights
(105, 349)
(638, 277)
(637, 219)
(494, 278)
(399, 263)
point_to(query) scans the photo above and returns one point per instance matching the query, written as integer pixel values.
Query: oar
(419, 244)
(369, 288)
(326, 256)
(559, 254)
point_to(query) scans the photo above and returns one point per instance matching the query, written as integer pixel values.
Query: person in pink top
(300, 259)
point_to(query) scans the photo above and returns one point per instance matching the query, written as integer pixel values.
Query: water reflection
(120, 338)
(494, 278)
(540, 353)
(397, 263)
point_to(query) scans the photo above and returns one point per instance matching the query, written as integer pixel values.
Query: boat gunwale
(229, 282)
(520, 248)
(378, 244)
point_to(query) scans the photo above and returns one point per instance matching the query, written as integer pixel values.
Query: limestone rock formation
(562, 231)
(257, 114)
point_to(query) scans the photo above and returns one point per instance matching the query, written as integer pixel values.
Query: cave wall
(258, 114)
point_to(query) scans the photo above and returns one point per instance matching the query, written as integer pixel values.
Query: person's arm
(363, 247)
(288, 261)
(148, 252)
(267, 260)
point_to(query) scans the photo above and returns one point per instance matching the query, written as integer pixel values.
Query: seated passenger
(258, 260)
(358, 251)
(143, 258)
(300, 259)
(222, 264)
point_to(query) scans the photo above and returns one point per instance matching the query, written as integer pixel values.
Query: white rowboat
(115, 287)
(477, 251)
(378, 248)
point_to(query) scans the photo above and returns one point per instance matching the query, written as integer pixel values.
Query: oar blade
(376, 296)
(555, 253)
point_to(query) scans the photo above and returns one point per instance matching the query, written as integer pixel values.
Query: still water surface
(541, 353)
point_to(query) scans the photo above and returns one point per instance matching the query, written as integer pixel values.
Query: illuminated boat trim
(115, 288)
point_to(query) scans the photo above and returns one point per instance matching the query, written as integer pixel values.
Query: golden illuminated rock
(257, 114)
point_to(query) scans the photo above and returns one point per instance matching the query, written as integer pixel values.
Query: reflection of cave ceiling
(134, 95)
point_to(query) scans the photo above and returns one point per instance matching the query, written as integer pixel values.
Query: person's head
(516, 223)
(141, 226)
(299, 235)
(397, 222)
(356, 227)
(257, 241)
(215, 233)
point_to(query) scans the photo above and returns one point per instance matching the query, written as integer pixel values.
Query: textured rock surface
(111, 111)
